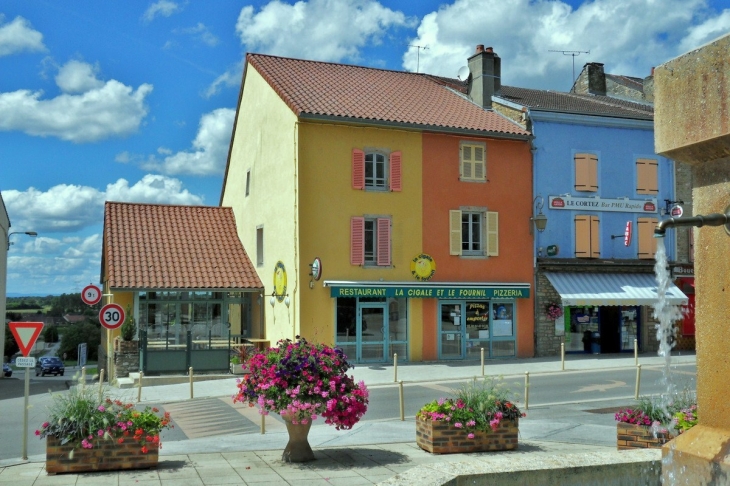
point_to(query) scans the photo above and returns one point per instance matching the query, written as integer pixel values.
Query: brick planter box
(631, 436)
(106, 455)
(443, 438)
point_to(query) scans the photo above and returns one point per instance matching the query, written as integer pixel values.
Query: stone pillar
(692, 125)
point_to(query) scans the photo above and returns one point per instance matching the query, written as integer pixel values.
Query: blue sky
(134, 101)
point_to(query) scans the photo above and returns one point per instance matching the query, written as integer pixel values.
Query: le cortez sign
(601, 204)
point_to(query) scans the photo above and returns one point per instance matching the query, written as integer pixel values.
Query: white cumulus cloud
(209, 151)
(68, 208)
(325, 30)
(530, 37)
(18, 36)
(88, 110)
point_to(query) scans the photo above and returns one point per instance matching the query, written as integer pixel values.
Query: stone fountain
(692, 125)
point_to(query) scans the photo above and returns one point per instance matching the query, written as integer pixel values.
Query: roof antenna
(572, 53)
(418, 55)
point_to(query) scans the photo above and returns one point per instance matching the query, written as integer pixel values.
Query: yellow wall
(328, 201)
(264, 143)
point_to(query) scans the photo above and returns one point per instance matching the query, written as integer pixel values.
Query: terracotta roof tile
(353, 92)
(154, 246)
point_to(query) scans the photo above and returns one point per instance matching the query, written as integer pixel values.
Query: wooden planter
(106, 455)
(631, 436)
(440, 437)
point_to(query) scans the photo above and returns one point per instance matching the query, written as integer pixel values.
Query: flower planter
(631, 436)
(237, 369)
(106, 455)
(298, 448)
(439, 437)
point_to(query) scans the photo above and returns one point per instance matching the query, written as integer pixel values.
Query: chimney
(596, 79)
(485, 73)
(649, 87)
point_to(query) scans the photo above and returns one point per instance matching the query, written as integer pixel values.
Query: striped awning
(611, 289)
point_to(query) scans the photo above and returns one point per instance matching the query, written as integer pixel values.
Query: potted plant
(301, 381)
(480, 417)
(654, 421)
(238, 361)
(553, 310)
(89, 432)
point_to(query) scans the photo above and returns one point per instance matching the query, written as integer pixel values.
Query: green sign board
(431, 292)
(552, 250)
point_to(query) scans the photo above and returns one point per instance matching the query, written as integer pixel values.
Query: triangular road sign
(26, 334)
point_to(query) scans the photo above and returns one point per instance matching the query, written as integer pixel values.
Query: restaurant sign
(430, 292)
(602, 204)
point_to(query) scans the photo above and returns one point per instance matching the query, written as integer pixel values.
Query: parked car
(7, 370)
(49, 365)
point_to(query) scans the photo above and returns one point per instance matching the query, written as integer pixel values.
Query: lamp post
(3, 288)
(539, 219)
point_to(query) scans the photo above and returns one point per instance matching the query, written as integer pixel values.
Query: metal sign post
(27, 363)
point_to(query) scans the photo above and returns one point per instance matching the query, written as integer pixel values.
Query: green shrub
(129, 327)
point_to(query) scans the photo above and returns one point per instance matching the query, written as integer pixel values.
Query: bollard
(139, 391)
(190, 372)
(638, 381)
(636, 353)
(263, 424)
(482, 352)
(83, 378)
(562, 356)
(395, 367)
(527, 389)
(402, 404)
(101, 383)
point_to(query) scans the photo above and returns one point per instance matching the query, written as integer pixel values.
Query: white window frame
(372, 162)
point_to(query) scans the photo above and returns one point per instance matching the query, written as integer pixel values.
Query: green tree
(50, 334)
(11, 347)
(83, 332)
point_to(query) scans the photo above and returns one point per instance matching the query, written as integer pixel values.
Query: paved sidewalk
(373, 452)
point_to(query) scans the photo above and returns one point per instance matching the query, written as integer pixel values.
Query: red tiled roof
(325, 89)
(154, 246)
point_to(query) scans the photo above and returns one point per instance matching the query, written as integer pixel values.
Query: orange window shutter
(395, 171)
(647, 171)
(383, 241)
(595, 237)
(647, 242)
(358, 169)
(357, 241)
(586, 172)
(582, 237)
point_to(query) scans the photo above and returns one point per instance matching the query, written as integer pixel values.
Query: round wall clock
(423, 267)
(280, 281)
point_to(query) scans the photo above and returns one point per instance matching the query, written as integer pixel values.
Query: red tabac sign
(26, 334)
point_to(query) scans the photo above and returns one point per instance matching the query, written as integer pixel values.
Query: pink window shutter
(395, 171)
(383, 242)
(358, 169)
(357, 241)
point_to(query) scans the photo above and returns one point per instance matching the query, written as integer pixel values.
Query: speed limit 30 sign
(111, 316)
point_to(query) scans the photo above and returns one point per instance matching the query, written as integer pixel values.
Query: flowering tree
(302, 381)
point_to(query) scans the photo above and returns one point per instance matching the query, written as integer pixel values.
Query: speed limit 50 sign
(111, 316)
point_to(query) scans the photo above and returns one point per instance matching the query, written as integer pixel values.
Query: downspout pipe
(714, 219)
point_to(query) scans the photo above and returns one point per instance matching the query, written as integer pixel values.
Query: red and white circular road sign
(111, 316)
(91, 295)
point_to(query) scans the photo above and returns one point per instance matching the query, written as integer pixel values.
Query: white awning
(611, 289)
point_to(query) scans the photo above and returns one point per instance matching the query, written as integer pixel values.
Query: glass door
(451, 331)
(372, 329)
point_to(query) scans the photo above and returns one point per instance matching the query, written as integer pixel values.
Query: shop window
(587, 241)
(586, 172)
(473, 233)
(472, 162)
(370, 241)
(646, 176)
(376, 170)
(646, 241)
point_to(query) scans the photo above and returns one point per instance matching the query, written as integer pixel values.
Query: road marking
(599, 387)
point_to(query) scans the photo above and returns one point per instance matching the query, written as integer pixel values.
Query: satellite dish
(463, 73)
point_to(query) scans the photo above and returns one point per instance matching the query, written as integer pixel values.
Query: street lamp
(539, 219)
(29, 233)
